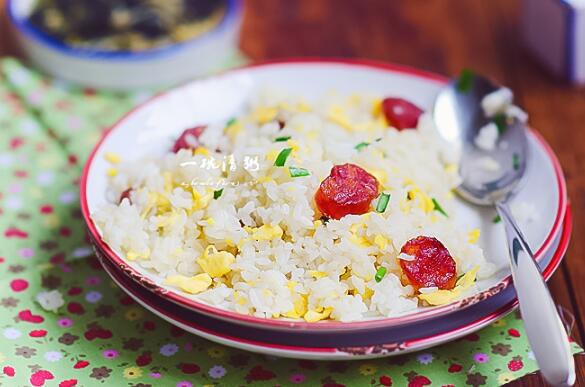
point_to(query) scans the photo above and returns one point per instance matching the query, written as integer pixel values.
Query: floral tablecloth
(64, 323)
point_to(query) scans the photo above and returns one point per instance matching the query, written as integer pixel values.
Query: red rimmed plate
(335, 346)
(218, 98)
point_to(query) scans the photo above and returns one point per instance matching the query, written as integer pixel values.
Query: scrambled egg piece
(424, 201)
(167, 220)
(192, 285)
(265, 114)
(241, 300)
(299, 307)
(201, 201)
(380, 175)
(201, 151)
(293, 144)
(473, 236)
(112, 158)
(132, 255)
(377, 108)
(381, 241)
(112, 172)
(272, 155)
(360, 240)
(314, 315)
(216, 263)
(265, 232)
(233, 130)
(317, 274)
(441, 297)
(451, 168)
(338, 116)
(346, 273)
(304, 107)
(168, 178)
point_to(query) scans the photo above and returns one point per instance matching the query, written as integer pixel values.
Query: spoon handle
(545, 331)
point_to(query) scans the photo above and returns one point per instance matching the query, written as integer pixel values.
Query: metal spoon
(459, 116)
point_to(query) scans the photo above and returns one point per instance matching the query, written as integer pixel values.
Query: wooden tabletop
(443, 36)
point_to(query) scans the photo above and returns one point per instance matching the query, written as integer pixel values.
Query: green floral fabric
(64, 323)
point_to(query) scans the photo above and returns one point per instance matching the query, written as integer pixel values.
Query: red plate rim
(421, 342)
(275, 323)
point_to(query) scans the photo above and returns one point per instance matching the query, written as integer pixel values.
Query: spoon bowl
(477, 117)
(488, 176)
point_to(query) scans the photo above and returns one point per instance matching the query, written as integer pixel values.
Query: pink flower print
(110, 354)
(297, 378)
(481, 357)
(93, 280)
(65, 322)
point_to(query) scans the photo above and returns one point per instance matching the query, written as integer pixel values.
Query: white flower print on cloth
(11, 333)
(51, 300)
(53, 356)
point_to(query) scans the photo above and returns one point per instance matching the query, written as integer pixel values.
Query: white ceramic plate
(150, 128)
(394, 342)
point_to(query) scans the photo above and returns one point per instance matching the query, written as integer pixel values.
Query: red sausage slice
(348, 189)
(432, 264)
(189, 139)
(401, 113)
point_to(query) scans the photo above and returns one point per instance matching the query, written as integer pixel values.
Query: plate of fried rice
(305, 195)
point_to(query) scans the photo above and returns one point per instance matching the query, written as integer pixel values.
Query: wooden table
(442, 36)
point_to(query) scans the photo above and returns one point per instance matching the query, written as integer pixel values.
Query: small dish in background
(113, 61)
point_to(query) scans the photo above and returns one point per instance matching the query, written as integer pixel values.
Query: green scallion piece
(439, 208)
(282, 156)
(501, 122)
(298, 172)
(380, 274)
(382, 202)
(217, 194)
(231, 121)
(282, 139)
(496, 219)
(361, 146)
(516, 161)
(465, 80)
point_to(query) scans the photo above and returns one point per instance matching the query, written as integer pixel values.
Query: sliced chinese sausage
(429, 265)
(189, 139)
(126, 195)
(349, 189)
(401, 113)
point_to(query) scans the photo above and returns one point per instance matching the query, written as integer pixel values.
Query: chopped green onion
(439, 208)
(378, 139)
(496, 219)
(282, 156)
(501, 122)
(298, 172)
(217, 194)
(516, 161)
(231, 121)
(361, 146)
(382, 202)
(465, 80)
(380, 274)
(282, 139)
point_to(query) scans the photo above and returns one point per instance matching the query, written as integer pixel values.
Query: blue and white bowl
(122, 70)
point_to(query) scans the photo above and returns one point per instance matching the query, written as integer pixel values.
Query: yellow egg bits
(442, 297)
(214, 264)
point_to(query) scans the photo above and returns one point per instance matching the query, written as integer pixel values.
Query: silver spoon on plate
(477, 117)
